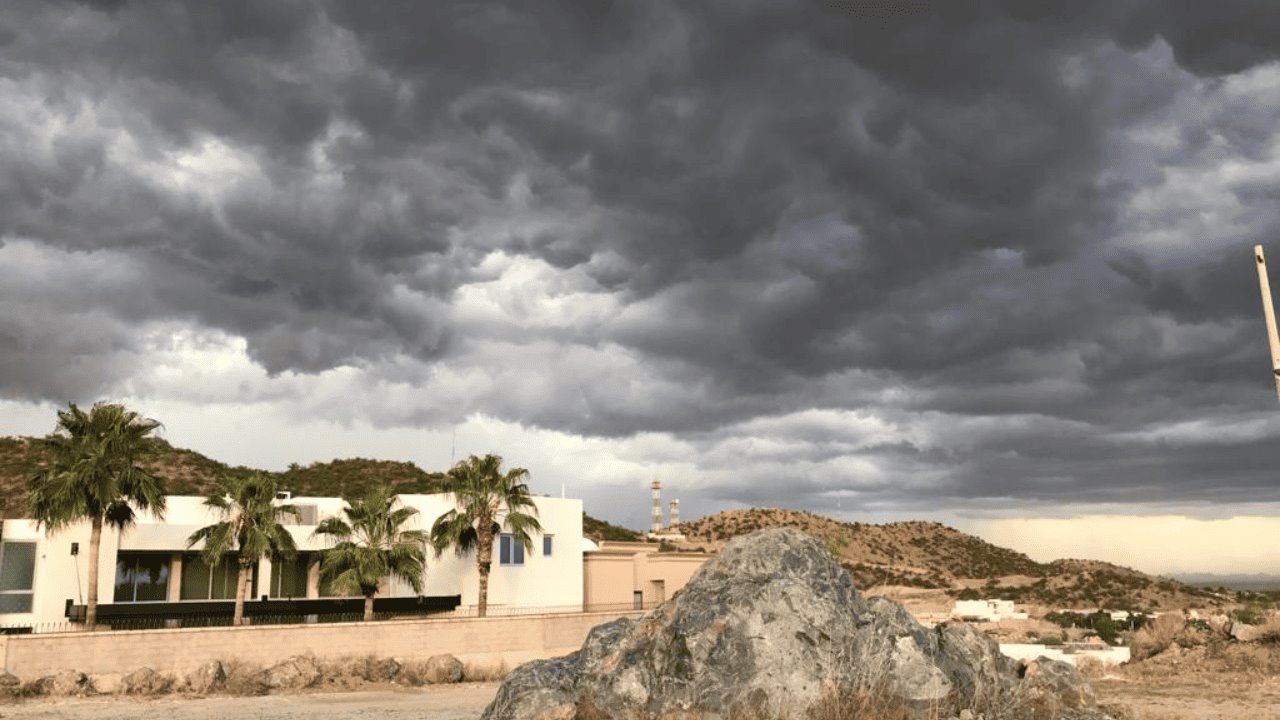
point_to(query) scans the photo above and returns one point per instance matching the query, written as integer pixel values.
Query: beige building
(634, 574)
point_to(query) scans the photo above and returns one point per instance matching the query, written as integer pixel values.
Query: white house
(986, 610)
(41, 574)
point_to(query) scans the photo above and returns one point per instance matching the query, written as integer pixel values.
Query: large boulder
(207, 678)
(295, 673)
(9, 684)
(145, 681)
(772, 626)
(440, 669)
(67, 683)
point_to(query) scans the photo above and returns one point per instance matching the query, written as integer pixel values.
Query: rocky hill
(929, 555)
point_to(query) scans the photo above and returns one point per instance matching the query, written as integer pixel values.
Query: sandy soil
(438, 702)
(1185, 699)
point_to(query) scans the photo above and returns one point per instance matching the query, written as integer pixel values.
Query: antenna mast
(1270, 314)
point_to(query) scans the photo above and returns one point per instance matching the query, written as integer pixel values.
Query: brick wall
(512, 640)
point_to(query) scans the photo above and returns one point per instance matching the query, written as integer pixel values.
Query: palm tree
(250, 526)
(92, 476)
(371, 545)
(488, 501)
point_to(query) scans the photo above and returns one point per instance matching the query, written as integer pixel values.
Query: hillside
(187, 472)
(600, 530)
(930, 555)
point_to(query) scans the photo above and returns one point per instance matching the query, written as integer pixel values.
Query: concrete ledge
(491, 640)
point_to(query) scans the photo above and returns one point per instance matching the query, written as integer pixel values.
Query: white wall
(554, 581)
(543, 581)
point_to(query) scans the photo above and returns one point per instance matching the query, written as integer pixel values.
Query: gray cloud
(1019, 224)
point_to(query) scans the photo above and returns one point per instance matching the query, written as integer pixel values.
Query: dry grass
(485, 672)
(243, 678)
(1156, 637)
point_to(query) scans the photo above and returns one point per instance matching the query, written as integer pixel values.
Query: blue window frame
(510, 551)
(546, 544)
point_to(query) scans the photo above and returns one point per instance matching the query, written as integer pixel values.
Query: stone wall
(493, 640)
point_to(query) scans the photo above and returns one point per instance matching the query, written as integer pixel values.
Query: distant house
(43, 576)
(634, 574)
(986, 611)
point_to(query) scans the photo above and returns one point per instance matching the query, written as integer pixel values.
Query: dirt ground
(1183, 699)
(1223, 682)
(435, 702)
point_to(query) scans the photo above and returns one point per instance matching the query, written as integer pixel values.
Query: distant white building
(986, 610)
(41, 574)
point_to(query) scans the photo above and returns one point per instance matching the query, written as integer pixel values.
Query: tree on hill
(597, 529)
(250, 528)
(372, 544)
(94, 475)
(488, 502)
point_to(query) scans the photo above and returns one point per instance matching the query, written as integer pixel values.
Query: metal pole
(1270, 314)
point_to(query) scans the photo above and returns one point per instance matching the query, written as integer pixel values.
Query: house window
(307, 515)
(289, 577)
(510, 551)
(546, 544)
(201, 582)
(17, 571)
(142, 577)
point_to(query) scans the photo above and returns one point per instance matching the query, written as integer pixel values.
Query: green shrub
(1251, 614)
(1049, 640)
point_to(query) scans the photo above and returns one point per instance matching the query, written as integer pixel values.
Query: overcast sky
(875, 259)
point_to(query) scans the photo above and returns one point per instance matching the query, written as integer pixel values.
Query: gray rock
(771, 625)
(145, 681)
(207, 678)
(440, 669)
(1244, 633)
(1057, 684)
(380, 670)
(293, 674)
(9, 685)
(67, 683)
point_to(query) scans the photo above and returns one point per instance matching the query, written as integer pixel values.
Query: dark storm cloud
(1005, 229)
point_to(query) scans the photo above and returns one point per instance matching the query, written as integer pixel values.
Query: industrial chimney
(656, 524)
(675, 514)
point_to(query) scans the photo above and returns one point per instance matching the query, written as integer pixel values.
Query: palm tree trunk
(242, 589)
(368, 608)
(91, 593)
(484, 558)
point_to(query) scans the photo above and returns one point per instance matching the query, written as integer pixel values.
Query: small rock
(1060, 681)
(68, 683)
(207, 678)
(293, 674)
(442, 669)
(379, 670)
(145, 681)
(1245, 633)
